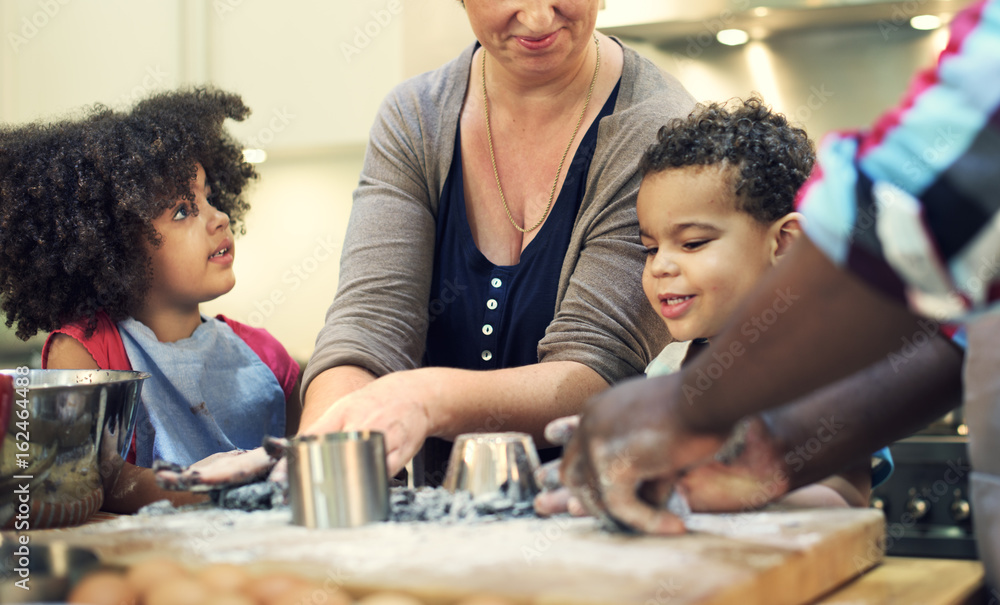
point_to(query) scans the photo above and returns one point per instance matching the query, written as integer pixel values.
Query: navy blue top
(485, 316)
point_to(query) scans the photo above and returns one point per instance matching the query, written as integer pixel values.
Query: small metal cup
(338, 479)
(487, 464)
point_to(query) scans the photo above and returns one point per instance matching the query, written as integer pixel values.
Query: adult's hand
(631, 449)
(749, 475)
(395, 405)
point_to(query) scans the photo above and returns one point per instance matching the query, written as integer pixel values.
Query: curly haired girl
(116, 226)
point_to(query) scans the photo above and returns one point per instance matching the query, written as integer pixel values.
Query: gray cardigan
(379, 317)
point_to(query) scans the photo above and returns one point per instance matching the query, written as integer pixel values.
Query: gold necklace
(489, 139)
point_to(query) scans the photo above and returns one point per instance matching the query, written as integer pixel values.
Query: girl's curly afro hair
(771, 158)
(77, 197)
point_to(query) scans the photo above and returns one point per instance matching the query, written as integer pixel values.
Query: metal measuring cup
(338, 479)
(493, 464)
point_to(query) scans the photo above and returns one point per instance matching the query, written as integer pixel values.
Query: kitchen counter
(915, 580)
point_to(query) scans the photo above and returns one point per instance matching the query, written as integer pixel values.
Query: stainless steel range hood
(670, 21)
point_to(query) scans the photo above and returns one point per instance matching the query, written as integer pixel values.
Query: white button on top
(496, 283)
(491, 304)
(487, 355)
(487, 329)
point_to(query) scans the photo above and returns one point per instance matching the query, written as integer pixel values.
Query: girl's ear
(783, 233)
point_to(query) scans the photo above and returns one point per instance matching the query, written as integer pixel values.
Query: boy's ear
(784, 232)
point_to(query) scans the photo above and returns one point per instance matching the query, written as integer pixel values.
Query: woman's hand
(395, 405)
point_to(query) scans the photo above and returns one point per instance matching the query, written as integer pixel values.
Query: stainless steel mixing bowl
(65, 446)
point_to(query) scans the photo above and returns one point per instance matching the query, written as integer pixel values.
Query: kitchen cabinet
(60, 55)
(314, 73)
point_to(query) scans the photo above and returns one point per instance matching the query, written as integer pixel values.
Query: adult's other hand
(631, 448)
(746, 473)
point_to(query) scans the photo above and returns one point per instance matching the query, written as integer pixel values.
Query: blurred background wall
(314, 73)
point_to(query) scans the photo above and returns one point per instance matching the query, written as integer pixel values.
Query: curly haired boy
(716, 212)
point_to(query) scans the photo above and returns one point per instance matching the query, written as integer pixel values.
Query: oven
(926, 500)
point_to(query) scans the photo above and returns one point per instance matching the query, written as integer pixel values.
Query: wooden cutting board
(771, 557)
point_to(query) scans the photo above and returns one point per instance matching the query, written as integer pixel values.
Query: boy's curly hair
(77, 198)
(772, 158)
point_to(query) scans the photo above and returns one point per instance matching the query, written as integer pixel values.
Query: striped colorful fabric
(911, 205)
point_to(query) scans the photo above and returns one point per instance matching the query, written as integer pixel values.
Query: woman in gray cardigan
(447, 319)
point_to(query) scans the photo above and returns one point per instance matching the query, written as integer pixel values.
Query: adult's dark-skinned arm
(847, 420)
(651, 431)
(875, 407)
(810, 439)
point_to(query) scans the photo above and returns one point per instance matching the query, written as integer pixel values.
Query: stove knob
(878, 503)
(960, 510)
(918, 507)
